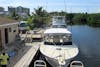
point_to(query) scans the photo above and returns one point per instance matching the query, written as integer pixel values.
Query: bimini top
(57, 30)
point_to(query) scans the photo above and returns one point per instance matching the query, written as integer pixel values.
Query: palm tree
(41, 17)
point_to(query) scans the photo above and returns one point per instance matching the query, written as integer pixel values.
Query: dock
(25, 55)
(27, 58)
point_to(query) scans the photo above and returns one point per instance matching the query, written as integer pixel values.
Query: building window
(9, 29)
(14, 30)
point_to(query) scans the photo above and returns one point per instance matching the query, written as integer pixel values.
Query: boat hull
(54, 63)
(54, 56)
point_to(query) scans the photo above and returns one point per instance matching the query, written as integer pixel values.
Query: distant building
(21, 11)
(1, 11)
(11, 10)
(6, 13)
(8, 31)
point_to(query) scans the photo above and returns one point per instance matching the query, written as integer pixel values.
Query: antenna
(65, 11)
(71, 19)
(46, 4)
(65, 5)
(38, 3)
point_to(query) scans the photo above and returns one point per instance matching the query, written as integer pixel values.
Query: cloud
(97, 10)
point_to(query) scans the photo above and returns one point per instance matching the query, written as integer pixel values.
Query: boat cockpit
(58, 39)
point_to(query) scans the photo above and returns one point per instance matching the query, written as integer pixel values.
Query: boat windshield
(58, 18)
(23, 25)
(59, 26)
(58, 39)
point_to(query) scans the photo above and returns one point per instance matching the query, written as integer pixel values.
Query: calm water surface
(88, 41)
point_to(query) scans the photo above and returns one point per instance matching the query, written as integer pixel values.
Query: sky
(74, 6)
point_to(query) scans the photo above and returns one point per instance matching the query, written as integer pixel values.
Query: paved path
(25, 55)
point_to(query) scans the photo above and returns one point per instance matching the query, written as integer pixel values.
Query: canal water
(88, 41)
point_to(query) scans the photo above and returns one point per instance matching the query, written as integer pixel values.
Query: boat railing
(40, 63)
(76, 64)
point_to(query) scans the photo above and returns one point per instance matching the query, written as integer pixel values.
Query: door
(0, 40)
(6, 35)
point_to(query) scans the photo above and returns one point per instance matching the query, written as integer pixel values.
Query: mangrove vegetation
(42, 18)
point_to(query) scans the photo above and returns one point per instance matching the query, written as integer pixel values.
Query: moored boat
(57, 47)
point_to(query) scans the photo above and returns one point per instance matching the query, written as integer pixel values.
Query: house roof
(4, 21)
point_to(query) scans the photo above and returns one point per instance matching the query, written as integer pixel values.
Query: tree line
(92, 19)
(41, 18)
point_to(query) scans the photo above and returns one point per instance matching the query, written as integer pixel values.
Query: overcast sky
(91, 6)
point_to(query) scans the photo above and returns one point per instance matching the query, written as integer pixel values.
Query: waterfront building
(8, 31)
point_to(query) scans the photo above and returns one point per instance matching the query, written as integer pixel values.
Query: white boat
(57, 47)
